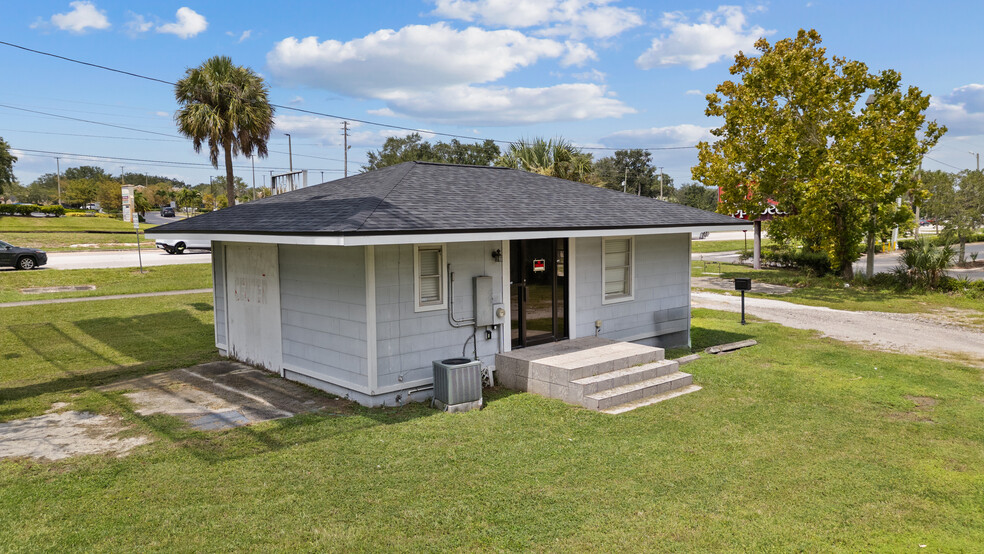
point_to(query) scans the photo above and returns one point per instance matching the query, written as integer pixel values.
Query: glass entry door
(538, 291)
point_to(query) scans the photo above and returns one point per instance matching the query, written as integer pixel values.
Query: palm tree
(554, 157)
(225, 105)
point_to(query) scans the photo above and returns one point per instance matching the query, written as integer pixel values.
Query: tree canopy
(797, 130)
(413, 148)
(636, 168)
(224, 106)
(7, 161)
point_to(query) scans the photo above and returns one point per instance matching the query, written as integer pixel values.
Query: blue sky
(603, 74)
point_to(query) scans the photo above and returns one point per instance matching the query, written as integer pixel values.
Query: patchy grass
(795, 444)
(63, 242)
(830, 291)
(126, 280)
(701, 246)
(59, 352)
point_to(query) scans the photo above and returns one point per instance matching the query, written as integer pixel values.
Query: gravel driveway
(908, 333)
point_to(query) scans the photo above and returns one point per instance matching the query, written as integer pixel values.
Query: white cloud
(296, 101)
(189, 23)
(694, 92)
(591, 75)
(578, 54)
(671, 136)
(385, 63)
(385, 112)
(716, 35)
(328, 131)
(433, 71)
(574, 18)
(137, 24)
(962, 111)
(162, 114)
(83, 16)
(242, 36)
(505, 106)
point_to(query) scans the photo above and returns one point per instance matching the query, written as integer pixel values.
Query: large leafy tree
(225, 106)
(635, 168)
(956, 201)
(797, 129)
(7, 161)
(553, 157)
(697, 196)
(413, 148)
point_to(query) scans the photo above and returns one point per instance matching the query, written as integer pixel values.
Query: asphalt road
(118, 258)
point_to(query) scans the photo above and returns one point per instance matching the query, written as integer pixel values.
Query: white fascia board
(376, 240)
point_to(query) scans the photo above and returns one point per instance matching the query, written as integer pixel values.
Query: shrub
(816, 263)
(28, 209)
(924, 265)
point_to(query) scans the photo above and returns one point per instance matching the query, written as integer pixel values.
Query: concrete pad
(223, 395)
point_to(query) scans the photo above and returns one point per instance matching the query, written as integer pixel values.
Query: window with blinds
(429, 276)
(618, 268)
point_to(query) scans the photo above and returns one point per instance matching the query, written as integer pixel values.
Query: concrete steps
(599, 374)
(633, 392)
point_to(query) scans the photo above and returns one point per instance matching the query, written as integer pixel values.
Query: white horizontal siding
(323, 311)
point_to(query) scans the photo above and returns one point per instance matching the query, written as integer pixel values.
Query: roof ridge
(383, 197)
(473, 166)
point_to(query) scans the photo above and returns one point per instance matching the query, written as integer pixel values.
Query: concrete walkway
(108, 297)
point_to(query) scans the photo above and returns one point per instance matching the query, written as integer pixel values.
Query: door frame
(564, 331)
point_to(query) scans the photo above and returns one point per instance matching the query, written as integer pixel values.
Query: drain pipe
(451, 319)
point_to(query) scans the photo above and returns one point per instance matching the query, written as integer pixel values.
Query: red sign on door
(539, 265)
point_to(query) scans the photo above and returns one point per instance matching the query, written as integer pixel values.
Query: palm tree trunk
(230, 184)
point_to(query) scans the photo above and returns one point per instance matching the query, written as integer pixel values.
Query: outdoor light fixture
(497, 255)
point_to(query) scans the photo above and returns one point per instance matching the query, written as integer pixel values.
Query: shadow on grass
(703, 337)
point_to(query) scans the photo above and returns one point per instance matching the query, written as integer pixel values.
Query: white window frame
(430, 306)
(613, 299)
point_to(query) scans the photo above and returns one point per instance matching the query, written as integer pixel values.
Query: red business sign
(539, 265)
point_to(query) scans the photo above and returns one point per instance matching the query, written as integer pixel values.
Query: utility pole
(252, 166)
(290, 153)
(978, 156)
(660, 183)
(625, 179)
(58, 166)
(345, 136)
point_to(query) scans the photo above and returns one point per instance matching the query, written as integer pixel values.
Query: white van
(179, 245)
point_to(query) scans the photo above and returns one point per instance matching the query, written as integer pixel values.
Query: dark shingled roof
(421, 197)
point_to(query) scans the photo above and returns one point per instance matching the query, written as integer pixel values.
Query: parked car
(21, 258)
(179, 245)
(167, 211)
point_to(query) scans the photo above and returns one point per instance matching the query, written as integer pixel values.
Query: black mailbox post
(743, 284)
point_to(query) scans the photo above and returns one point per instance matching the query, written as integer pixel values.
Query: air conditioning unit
(457, 384)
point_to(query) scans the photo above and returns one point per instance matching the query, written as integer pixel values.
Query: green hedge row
(28, 209)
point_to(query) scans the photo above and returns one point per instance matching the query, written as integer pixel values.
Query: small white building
(355, 286)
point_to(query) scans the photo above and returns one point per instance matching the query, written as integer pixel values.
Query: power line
(944, 163)
(87, 121)
(96, 157)
(312, 112)
(90, 136)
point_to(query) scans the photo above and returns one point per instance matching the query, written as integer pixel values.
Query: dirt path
(108, 297)
(908, 333)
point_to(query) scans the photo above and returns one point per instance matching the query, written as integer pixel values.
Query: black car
(167, 211)
(21, 258)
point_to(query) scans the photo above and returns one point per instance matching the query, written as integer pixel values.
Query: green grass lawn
(699, 246)
(65, 224)
(795, 444)
(108, 281)
(63, 242)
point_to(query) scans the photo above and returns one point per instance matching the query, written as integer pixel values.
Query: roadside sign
(128, 210)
